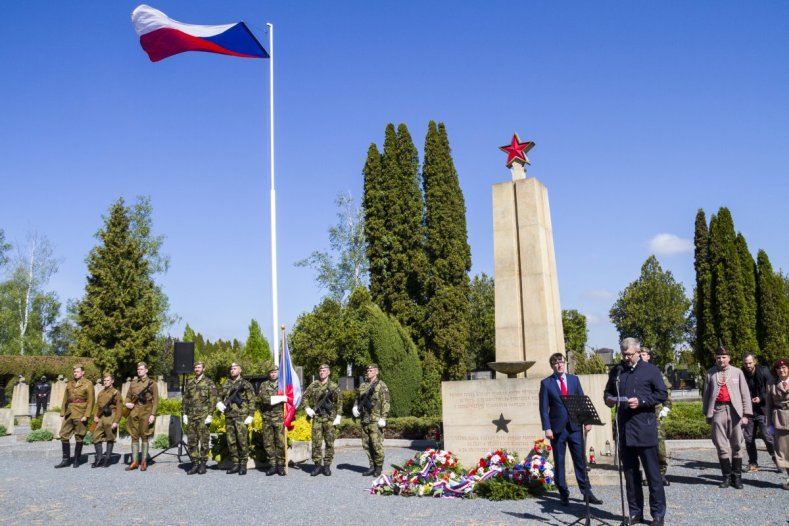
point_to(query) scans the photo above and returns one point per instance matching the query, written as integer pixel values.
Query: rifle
(365, 402)
(139, 397)
(322, 402)
(234, 395)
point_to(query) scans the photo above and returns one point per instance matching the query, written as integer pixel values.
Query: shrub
(3, 431)
(686, 421)
(169, 406)
(161, 442)
(35, 423)
(498, 488)
(122, 426)
(39, 435)
(347, 399)
(302, 430)
(409, 427)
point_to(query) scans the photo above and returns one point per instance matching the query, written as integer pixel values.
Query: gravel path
(32, 492)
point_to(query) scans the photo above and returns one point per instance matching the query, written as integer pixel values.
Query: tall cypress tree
(772, 311)
(748, 315)
(448, 253)
(705, 343)
(375, 233)
(120, 315)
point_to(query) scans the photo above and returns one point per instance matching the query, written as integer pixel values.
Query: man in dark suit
(560, 431)
(636, 387)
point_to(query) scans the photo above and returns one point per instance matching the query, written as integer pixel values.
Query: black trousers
(635, 493)
(41, 403)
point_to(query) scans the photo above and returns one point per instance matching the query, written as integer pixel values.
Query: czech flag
(163, 37)
(289, 385)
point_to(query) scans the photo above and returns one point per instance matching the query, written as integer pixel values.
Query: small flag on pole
(162, 37)
(289, 385)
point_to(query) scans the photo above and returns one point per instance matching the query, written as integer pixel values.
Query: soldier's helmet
(43, 378)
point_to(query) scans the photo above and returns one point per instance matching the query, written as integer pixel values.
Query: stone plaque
(7, 420)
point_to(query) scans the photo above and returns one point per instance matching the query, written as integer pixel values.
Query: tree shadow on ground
(565, 514)
(352, 467)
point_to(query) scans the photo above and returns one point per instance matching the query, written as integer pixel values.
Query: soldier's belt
(77, 401)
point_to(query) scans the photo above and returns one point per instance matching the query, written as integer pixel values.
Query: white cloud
(594, 319)
(669, 245)
(598, 294)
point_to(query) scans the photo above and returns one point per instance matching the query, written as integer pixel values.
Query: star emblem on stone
(501, 423)
(516, 150)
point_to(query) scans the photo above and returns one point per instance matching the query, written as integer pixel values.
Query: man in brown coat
(142, 400)
(76, 408)
(727, 407)
(109, 405)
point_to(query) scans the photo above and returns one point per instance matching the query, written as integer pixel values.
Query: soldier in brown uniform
(76, 408)
(143, 401)
(106, 416)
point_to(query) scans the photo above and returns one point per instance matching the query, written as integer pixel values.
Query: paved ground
(32, 492)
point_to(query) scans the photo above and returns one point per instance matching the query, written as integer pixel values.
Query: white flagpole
(274, 307)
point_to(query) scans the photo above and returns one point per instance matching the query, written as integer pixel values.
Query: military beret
(372, 366)
(269, 366)
(649, 351)
(234, 364)
(780, 363)
(77, 366)
(142, 364)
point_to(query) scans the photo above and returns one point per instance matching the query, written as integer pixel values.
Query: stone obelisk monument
(528, 312)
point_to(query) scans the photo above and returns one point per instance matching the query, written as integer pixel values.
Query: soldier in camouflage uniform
(661, 410)
(142, 401)
(372, 405)
(200, 397)
(237, 402)
(76, 408)
(270, 402)
(107, 414)
(323, 403)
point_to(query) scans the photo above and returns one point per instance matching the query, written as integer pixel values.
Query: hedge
(33, 367)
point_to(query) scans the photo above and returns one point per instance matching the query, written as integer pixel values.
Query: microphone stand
(619, 448)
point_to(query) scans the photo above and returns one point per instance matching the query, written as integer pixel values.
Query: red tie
(784, 384)
(563, 386)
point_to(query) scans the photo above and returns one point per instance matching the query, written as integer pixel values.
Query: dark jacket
(638, 427)
(553, 413)
(757, 385)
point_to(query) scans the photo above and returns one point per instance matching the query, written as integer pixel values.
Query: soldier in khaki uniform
(372, 405)
(142, 400)
(76, 408)
(661, 411)
(323, 404)
(271, 409)
(237, 402)
(107, 414)
(200, 397)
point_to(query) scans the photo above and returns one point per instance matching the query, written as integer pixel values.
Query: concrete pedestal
(57, 393)
(7, 420)
(20, 403)
(52, 422)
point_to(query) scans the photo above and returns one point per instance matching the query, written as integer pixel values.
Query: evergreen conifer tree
(446, 326)
(120, 316)
(374, 203)
(705, 343)
(773, 312)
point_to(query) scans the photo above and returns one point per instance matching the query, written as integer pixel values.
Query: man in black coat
(41, 390)
(636, 387)
(758, 378)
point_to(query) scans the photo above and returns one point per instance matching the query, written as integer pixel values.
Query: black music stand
(582, 412)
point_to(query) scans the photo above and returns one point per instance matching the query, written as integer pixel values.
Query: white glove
(280, 399)
(221, 407)
(355, 412)
(130, 405)
(310, 412)
(247, 420)
(209, 419)
(337, 420)
(663, 412)
(381, 423)
(185, 420)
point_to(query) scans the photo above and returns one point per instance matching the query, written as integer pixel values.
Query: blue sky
(643, 112)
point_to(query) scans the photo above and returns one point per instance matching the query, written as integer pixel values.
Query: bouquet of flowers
(433, 472)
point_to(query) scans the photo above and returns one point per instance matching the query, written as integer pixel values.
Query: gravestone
(161, 385)
(125, 388)
(7, 420)
(52, 422)
(20, 403)
(58, 392)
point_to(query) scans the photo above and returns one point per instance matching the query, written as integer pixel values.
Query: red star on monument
(517, 150)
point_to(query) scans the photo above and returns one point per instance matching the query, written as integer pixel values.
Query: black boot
(77, 454)
(327, 470)
(377, 471)
(105, 462)
(242, 469)
(272, 470)
(195, 469)
(201, 470)
(736, 474)
(235, 469)
(317, 470)
(726, 470)
(281, 471)
(66, 454)
(369, 472)
(98, 457)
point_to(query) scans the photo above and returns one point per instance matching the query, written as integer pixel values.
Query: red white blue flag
(162, 37)
(289, 385)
